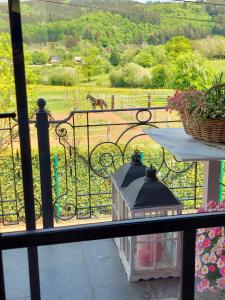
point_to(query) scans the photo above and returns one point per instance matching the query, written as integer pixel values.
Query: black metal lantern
(122, 178)
(152, 255)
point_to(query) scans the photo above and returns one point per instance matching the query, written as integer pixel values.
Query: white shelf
(184, 147)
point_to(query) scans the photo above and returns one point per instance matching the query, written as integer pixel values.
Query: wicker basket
(211, 130)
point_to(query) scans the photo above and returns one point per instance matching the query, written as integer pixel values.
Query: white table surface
(184, 147)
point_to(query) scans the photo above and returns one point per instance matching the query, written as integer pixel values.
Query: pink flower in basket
(210, 254)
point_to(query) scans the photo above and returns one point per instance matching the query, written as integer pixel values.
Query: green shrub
(62, 76)
(116, 78)
(131, 75)
(115, 58)
(146, 82)
(145, 58)
(39, 58)
(191, 70)
(159, 77)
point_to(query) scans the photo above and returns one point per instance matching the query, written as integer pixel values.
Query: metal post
(211, 181)
(56, 165)
(188, 266)
(112, 102)
(142, 156)
(24, 135)
(149, 100)
(221, 181)
(45, 164)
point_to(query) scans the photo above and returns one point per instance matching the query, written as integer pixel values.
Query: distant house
(77, 59)
(55, 60)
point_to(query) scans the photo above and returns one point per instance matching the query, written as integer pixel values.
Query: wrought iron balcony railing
(84, 149)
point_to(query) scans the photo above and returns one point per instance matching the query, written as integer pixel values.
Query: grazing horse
(96, 102)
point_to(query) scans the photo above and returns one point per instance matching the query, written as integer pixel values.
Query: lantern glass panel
(145, 255)
(170, 245)
(115, 202)
(127, 213)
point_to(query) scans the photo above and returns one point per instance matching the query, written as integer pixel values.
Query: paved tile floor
(82, 271)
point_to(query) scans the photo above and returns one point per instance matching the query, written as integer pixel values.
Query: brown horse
(96, 102)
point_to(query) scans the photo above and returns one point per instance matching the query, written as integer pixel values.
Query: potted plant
(202, 112)
(210, 256)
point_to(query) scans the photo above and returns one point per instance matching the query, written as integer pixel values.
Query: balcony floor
(82, 271)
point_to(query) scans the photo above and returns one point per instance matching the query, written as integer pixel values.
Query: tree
(72, 41)
(7, 86)
(191, 71)
(159, 77)
(145, 58)
(91, 61)
(115, 58)
(39, 58)
(131, 75)
(178, 45)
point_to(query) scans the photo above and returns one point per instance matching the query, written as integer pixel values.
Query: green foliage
(160, 77)
(92, 61)
(62, 76)
(98, 185)
(6, 73)
(150, 56)
(115, 58)
(39, 58)
(146, 82)
(106, 29)
(71, 41)
(145, 58)
(211, 47)
(178, 45)
(215, 101)
(129, 53)
(131, 75)
(191, 71)
(201, 105)
(7, 87)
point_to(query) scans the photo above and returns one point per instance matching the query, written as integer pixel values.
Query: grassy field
(218, 65)
(65, 99)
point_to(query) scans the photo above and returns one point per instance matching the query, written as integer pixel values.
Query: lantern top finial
(136, 158)
(150, 174)
(129, 171)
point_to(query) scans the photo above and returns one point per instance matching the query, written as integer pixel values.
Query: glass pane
(72, 51)
(84, 271)
(16, 274)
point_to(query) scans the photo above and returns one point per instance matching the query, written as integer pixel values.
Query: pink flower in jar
(204, 285)
(222, 257)
(201, 210)
(213, 258)
(212, 268)
(220, 263)
(221, 283)
(222, 271)
(212, 204)
(206, 243)
(222, 205)
(216, 231)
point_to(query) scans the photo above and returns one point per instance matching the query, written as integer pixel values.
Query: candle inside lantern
(145, 254)
(146, 250)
